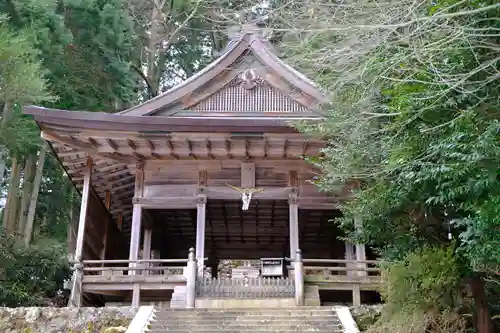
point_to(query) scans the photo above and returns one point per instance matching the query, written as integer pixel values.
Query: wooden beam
(93, 142)
(166, 202)
(293, 179)
(190, 148)
(228, 149)
(208, 144)
(112, 143)
(171, 148)
(285, 149)
(248, 175)
(227, 193)
(119, 222)
(202, 178)
(108, 200)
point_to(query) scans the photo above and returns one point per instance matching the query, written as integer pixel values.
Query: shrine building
(212, 165)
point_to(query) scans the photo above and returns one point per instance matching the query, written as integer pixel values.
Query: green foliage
(86, 47)
(21, 74)
(29, 275)
(417, 126)
(367, 320)
(414, 122)
(428, 280)
(419, 322)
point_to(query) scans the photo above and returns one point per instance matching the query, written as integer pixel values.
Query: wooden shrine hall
(205, 183)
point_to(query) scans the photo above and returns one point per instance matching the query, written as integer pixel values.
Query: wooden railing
(134, 267)
(123, 274)
(332, 269)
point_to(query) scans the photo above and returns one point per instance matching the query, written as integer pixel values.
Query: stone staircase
(311, 295)
(178, 300)
(303, 319)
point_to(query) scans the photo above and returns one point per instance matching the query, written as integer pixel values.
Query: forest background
(413, 119)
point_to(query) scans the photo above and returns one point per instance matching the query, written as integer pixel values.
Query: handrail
(341, 261)
(139, 261)
(342, 269)
(138, 268)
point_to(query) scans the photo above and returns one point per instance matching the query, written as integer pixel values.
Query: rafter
(171, 148)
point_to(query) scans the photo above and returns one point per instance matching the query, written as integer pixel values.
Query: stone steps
(311, 296)
(178, 300)
(304, 319)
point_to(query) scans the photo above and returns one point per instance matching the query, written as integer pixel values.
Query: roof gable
(248, 79)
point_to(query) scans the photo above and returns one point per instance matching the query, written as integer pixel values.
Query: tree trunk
(29, 174)
(482, 317)
(3, 157)
(30, 219)
(15, 214)
(6, 115)
(8, 218)
(152, 68)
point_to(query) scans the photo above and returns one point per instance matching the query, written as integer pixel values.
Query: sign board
(272, 267)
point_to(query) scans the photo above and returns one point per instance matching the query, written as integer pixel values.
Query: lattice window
(235, 97)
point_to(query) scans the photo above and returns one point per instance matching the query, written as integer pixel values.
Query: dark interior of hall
(261, 231)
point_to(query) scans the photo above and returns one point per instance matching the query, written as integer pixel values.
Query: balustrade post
(191, 280)
(298, 268)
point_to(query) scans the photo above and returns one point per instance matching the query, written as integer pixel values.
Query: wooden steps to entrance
(301, 319)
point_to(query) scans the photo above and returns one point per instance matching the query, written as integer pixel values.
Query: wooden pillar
(293, 224)
(136, 232)
(350, 255)
(146, 247)
(76, 289)
(360, 248)
(191, 280)
(360, 255)
(298, 270)
(200, 232)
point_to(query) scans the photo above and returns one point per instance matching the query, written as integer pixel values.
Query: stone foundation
(56, 320)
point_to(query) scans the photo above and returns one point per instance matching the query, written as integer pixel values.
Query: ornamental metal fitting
(248, 79)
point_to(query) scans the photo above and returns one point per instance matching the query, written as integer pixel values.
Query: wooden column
(76, 289)
(191, 280)
(200, 232)
(360, 248)
(350, 254)
(136, 232)
(298, 270)
(293, 224)
(360, 255)
(146, 247)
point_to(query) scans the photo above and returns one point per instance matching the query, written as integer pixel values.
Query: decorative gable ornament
(248, 79)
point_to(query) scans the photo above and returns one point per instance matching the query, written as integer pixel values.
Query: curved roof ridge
(246, 40)
(230, 46)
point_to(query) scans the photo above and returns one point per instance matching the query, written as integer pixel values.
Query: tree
(172, 40)
(84, 49)
(414, 121)
(22, 79)
(33, 274)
